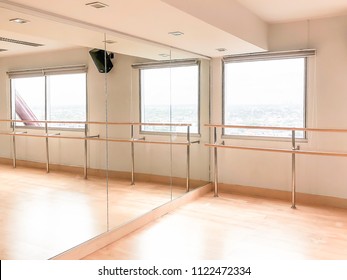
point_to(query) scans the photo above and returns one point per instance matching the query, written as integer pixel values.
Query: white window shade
(270, 55)
(38, 72)
(166, 64)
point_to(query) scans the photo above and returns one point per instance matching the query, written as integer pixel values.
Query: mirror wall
(138, 181)
(47, 205)
(113, 169)
(190, 104)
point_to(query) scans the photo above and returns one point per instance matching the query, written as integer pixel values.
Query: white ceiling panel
(274, 11)
(150, 20)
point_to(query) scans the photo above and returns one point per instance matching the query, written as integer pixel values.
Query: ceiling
(275, 11)
(55, 35)
(141, 28)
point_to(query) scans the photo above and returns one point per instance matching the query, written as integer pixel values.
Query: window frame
(46, 72)
(267, 56)
(169, 64)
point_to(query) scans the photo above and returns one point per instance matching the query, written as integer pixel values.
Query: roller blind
(270, 55)
(166, 64)
(39, 72)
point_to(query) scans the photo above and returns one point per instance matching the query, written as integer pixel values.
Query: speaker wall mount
(102, 60)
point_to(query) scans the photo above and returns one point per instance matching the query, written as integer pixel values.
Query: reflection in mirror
(112, 169)
(190, 105)
(139, 168)
(47, 206)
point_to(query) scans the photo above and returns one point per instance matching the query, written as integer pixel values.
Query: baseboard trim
(100, 173)
(111, 236)
(301, 198)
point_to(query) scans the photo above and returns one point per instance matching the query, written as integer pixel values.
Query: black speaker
(100, 57)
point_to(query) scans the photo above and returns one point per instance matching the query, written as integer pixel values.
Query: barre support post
(85, 152)
(215, 162)
(293, 172)
(132, 155)
(47, 148)
(14, 155)
(188, 160)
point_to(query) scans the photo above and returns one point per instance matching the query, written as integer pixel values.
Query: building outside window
(169, 93)
(59, 95)
(265, 91)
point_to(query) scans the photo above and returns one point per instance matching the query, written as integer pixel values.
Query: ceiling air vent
(97, 5)
(3, 50)
(14, 41)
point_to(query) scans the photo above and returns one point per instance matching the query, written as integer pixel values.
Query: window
(265, 92)
(53, 97)
(28, 100)
(67, 98)
(170, 94)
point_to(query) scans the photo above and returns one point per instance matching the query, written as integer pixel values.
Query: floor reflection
(44, 214)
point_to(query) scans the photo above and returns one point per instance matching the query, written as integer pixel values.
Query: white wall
(122, 86)
(326, 108)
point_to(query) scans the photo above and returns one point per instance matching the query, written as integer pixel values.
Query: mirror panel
(190, 105)
(47, 204)
(115, 169)
(139, 169)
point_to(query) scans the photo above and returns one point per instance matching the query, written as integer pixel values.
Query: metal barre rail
(293, 151)
(97, 123)
(95, 138)
(278, 150)
(87, 138)
(278, 128)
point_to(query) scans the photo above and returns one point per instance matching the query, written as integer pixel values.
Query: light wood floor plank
(237, 227)
(42, 215)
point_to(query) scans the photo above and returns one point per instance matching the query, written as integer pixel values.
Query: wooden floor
(237, 227)
(42, 215)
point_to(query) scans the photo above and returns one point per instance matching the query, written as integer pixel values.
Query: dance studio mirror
(100, 155)
(56, 196)
(154, 97)
(190, 105)
(139, 178)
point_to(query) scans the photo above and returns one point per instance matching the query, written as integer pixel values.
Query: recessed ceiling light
(109, 42)
(176, 33)
(97, 5)
(221, 49)
(19, 20)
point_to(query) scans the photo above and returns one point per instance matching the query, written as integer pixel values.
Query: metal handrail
(288, 151)
(95, 122)
(93, 138)
(87, 138)
(293, 151)
(278, 128)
